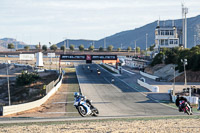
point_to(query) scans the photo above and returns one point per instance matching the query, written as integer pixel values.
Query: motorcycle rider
(179, 100)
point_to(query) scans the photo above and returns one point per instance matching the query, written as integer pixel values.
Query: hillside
(127, 38)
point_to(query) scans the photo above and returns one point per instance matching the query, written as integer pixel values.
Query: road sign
(88, 57)
(72, 57)
(104, 57)
(26, 56)
(51, 55)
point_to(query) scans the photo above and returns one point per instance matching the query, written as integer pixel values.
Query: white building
(167, 37)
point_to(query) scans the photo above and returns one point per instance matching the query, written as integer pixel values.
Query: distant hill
(127, 38)
(5, 41)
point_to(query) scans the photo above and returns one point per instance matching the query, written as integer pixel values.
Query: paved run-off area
(150, 125)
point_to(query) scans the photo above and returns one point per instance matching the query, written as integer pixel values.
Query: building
(167, 37)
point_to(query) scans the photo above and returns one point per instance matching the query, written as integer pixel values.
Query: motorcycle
(186, 107)
(84, 106)
(98, 72)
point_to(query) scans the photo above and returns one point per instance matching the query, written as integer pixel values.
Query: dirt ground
(58, 105)
(123, 126)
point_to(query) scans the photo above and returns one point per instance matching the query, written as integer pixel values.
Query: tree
(91, 48)
(81, 47)
(137, 49)
(53, 47)
(109, 48)
(158, 59)
(171, 56)
(26, 48)
(142, 52)
(37, 46)
(71, 47)
(118, 49)
(63, 48)
(44, 47)
(152, 47)
(101, 49)
(129, 49)
(11, 46)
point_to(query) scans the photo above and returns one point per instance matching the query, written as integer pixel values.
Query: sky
(44, 21)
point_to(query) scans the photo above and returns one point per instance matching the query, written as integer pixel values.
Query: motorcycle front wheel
(95, 112)
(82, 111)
(188, 110)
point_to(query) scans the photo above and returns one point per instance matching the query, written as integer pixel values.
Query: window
(171, 32)
(175, 41)
(171, 41)
(167, 32)
(162, 33)
(166, 42)
(162, 42)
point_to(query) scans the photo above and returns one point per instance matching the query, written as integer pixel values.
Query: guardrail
(149, 75)
(7, 110)
(149, 87)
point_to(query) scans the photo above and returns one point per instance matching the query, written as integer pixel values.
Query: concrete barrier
(192, 100)
(111, 68)
(7, 110)
(149, 87)
(148, 75)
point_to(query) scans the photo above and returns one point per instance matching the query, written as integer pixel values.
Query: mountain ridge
(128, 37)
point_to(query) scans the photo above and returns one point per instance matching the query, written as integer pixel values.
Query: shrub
(26, 78)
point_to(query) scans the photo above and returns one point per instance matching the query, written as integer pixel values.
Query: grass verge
(72, 86)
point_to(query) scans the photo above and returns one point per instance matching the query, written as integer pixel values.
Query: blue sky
(44, 21)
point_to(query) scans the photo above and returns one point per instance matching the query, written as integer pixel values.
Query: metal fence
(53, 83)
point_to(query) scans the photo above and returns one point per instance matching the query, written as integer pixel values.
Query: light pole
(146, 43)
(8, 84)
(195, 41)
(184, 61)
(174, 79)
(104, 43)
(135, 48)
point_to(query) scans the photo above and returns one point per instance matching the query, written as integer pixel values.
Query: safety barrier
(148, 75)
(7, 110)
(192, 99)
(150, 87)
(111, 68)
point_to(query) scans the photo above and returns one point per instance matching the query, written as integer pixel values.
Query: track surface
(117, 99)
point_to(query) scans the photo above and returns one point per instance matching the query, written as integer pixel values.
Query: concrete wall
(7, 110)
(150, 87)
(148, 75)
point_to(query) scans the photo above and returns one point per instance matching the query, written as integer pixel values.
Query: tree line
(81, 48)
(175, 55)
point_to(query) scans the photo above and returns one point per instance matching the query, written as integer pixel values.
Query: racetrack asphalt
(117, 99)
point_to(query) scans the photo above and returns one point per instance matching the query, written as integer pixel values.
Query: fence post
(1, 110)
